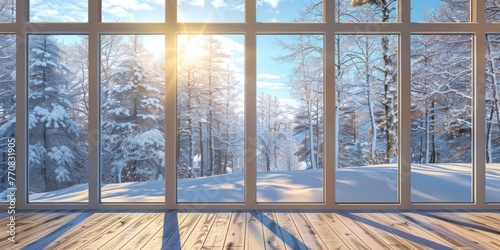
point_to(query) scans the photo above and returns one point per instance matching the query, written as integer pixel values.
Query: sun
(190, 47)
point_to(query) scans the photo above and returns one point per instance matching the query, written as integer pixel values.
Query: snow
(430, 183)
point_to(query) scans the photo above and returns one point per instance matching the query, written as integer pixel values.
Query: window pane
(58, 11)
(367, 92)
(7, 112)
(493, 118)
(361, 11)
(289, 11)
(441, 118)
(451, 11)
(7, 11)
(210, 118)
(132, 118)
(211, 11)
(133, 11)
(492, 11)
(289, 118)
(57, 118)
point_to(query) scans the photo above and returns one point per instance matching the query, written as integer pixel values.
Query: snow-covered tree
(7, 11)
(132, 109)
(493, 98)
(54, 158)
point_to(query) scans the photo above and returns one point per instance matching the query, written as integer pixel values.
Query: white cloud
(198, 3)
(219, 3)
(120, 12)
(272, 20)
(273, 3)
(231, 45)
(268, 76)
(270, 85)
(240, 7)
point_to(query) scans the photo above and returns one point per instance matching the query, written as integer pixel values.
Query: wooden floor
(254, 230)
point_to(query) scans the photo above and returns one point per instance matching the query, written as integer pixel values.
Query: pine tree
(54, 159)
(132, 134)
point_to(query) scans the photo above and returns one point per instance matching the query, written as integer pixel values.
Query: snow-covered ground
(430, 183)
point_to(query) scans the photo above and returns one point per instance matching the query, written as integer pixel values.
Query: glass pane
(7, 114)
(7, 11)
(289, 118)
(58, 11)
(367, 118)
(364, 11)
(492, 11)
(441, 118)
(493, 118)
(57, 118)
(210, 118)
(211, 11)
(451, 11)
(132, 118)
(133, 11)
(289, 11)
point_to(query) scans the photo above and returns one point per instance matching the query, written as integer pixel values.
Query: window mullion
(404, 104)
(21, 105)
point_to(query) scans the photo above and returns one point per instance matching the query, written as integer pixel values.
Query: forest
(210, 104)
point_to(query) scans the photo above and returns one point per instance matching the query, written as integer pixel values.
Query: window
(251, 104)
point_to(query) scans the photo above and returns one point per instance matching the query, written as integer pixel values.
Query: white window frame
(250, 28)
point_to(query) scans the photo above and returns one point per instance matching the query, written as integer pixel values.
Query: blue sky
(271, 76)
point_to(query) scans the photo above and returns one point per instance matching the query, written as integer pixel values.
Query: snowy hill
(431, 183)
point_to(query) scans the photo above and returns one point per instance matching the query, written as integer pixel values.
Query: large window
(251, 104)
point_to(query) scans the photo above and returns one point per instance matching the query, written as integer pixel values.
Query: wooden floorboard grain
(217, 234)
(324, 231)
(361, 232)
(236, 232)
(454, 240)
(140, 239)
(289, 232)
(379, 230)
(273, 237)
(33, 233)
(199, 233)
(266, 230)
(344, 233)
(168, 230)
(136, 228)
(307, 231)
(254, 236)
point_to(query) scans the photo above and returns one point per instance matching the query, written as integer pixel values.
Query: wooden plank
(480, 236)
(307, 232)
(184, 230)
(289, 232)
(200, 231)
(32, 233)
(254, 235)
(378, 229)
(86, 225)
(455, 240)
(272, 232)
(140, 239)
(117, 228)
(122, 238)
(235, 238)
(170, 228)
(409, 240)
(348, 237)
(416, 233)
(217, 234)
(368, 237)
(88, 235)
(328, 236)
